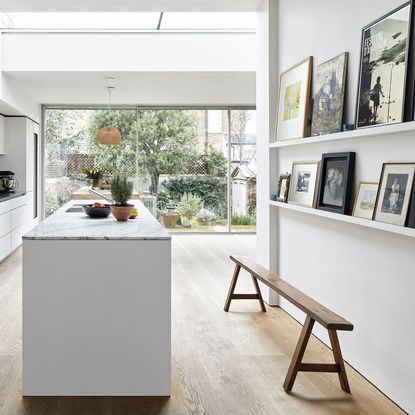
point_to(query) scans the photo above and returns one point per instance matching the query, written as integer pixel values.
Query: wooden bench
(314, 311)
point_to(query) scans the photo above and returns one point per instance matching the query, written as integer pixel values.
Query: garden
(166, 153)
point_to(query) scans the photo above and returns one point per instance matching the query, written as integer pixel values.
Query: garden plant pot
(186, 222)
(121, 213)
(170, 219)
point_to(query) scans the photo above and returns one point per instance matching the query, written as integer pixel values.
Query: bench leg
(258, 291)
(298, 354)
(296, 364)
(231, 296)
(338, 358)
(232, 287)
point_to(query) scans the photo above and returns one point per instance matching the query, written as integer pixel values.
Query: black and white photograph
(304, 176)
(283, 186)
(383, 69)
(395, 190)
(336, 181)
(394, 195)
(303, 181)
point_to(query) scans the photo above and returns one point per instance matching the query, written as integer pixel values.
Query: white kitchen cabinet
(17, 236)
(18, 217)
(2, 135)
(13, 224)
(5, 223)
(22, 158)
(5, 246)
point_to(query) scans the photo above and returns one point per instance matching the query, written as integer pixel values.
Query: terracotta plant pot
(170, 219)
(121, 213)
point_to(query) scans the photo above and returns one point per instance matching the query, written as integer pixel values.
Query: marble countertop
(77, 225)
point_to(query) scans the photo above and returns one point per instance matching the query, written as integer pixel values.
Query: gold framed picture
(293, 101)
(364, 205)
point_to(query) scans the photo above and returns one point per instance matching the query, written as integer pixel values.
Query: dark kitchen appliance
(8, 184)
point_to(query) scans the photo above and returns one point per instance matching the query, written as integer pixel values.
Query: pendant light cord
(109, 104)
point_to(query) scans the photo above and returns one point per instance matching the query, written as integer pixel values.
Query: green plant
(212, 190)
(93, 174)
(215, 162)
(121, 189)
(163, 201)
(189, 206)
(243, 220)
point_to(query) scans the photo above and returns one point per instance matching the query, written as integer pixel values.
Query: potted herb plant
(121, 191)
(188, 207)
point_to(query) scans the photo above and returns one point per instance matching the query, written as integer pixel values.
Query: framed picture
(366, 200)
(293, 101)
(386, 75)
(328, 100)
(304, 178)
(392, 203)
(283, 186)
(336, 182)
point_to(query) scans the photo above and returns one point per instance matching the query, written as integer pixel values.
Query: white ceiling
(127, 5)
(145, 88)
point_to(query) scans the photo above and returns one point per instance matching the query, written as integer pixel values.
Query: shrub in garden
(211, 189)
(189, 206)
(243, 220)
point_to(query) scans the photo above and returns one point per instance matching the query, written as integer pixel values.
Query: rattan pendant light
(109, 134)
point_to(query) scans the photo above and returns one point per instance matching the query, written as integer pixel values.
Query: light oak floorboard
(223, 363)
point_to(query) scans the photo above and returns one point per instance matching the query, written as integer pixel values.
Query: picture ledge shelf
(386, 227)
(371, 132)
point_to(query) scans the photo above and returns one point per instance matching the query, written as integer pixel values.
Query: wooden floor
(223, 363)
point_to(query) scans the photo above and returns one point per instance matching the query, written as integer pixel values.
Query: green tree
(64, 131)
(153, 142)
(120, 158)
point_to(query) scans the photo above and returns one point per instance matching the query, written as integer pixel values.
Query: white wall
(363, 274)
(128, 52)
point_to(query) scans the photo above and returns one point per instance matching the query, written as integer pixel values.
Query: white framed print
(293, 101)
(304, 177)
(366, 200)
(395, 189)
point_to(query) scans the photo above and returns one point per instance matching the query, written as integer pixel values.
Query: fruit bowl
(94, 211)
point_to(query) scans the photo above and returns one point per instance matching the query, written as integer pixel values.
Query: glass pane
(208, 20)
(186, 167)
(78, 20)
(243, 170)
(74, 160)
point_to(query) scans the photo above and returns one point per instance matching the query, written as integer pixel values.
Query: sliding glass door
(194, 168)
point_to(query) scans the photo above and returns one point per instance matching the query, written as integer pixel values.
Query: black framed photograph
(303, 183)
(336, 182)
(328, 101)
(395, 190)
(386, 75)
(283, 186)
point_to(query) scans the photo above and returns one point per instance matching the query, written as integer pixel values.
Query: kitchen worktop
(9, 196)
(64, 225)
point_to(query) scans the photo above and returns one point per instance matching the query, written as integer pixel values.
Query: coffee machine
(8, 183)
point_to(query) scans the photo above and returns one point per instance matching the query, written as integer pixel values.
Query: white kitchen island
(96, 306)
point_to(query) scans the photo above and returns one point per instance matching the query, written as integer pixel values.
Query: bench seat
(314, 312)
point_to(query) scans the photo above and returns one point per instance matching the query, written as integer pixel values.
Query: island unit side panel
(96, 317)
